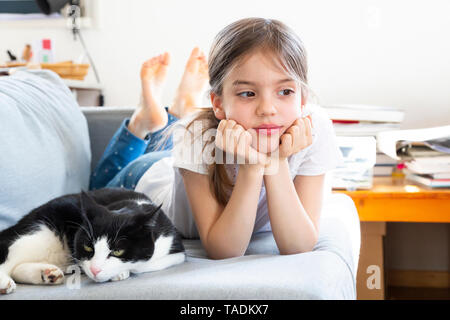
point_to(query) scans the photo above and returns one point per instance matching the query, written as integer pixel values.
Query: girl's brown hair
(233, 43)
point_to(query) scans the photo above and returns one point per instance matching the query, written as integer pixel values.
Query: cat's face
(109, 242)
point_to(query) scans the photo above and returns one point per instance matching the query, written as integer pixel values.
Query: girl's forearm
(231, 234)
(293, 229)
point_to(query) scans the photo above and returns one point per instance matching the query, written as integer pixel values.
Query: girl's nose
(266, 108)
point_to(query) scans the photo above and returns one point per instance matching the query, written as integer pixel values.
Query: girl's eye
(87, 248)
(246, 94)
(117, 253)
(285, 92)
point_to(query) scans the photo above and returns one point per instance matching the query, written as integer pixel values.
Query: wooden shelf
(408, 293)
(399, 200)
(394, 200)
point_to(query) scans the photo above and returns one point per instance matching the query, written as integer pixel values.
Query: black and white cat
(109, 233)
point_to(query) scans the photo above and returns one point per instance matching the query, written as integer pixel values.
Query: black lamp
(50, 6)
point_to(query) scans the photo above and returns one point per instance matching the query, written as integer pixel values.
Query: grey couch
(328, 272)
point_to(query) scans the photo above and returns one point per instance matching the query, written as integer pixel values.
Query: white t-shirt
(164, 184)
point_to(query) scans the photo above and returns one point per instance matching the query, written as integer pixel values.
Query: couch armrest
(103, 123)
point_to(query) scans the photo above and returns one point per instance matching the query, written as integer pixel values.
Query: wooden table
(391, 200)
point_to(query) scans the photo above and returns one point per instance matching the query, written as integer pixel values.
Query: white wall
(394, 53)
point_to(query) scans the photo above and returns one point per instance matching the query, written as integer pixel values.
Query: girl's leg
(192, 86)
(143, 131)
(123, 148)
(187, 98)
(129, 142)
(130, 175)
(150, 115)
(157, 136)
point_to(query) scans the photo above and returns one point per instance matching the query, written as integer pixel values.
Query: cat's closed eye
(87, 248)
(117, 253)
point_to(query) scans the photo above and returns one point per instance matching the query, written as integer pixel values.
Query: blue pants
(127, 157)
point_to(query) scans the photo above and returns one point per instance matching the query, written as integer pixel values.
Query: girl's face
(258, 94)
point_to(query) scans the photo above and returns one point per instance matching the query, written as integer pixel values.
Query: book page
(387, 140)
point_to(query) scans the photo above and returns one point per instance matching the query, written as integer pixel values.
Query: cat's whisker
(90, 228)
(83, 228)
(117, 233)
(49, 222)
(78, 261)
(121, 238)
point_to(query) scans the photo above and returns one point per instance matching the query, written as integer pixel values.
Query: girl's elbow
(295, 251)
(221, 257)
(216, 250)
(303, 248)
(214, 255)
(311, 244)
(222, 252)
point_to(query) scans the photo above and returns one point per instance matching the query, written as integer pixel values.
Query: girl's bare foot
(192, 85)
(151, 116)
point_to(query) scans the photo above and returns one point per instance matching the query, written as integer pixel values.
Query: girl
(258, 77)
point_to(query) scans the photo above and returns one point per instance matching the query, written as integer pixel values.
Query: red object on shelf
(401, 165)
(46, 44)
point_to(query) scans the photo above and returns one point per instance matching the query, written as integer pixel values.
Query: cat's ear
(88, 205)
(147, 219)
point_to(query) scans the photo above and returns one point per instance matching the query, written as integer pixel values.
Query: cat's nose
(95, 270)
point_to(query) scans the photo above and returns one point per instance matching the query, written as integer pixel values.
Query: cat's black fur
(109, 211)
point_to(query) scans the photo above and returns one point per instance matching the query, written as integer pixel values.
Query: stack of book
(356, 171)
(384, 165)
(363, 120)
(425, 152)
(356, 127)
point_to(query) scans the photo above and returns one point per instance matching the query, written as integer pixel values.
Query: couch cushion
(44, 143)
(328, 272)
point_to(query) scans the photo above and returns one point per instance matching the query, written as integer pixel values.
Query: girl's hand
(297, 137)
(232, 138)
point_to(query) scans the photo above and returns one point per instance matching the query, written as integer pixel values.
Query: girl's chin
(266, 144)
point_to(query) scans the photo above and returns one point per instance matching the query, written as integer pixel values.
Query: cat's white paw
(52, 275)
(121, 276)
(7, 285)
